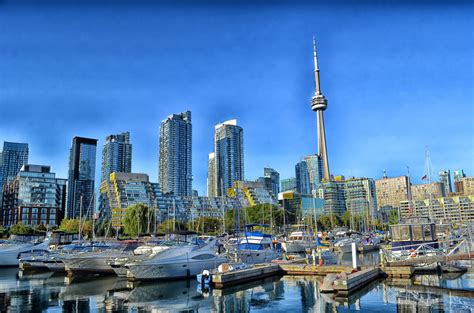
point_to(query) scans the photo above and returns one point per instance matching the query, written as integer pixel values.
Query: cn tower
(319, 105)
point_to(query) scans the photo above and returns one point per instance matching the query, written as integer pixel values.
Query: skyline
(255, 89)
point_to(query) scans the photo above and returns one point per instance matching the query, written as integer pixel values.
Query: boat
(256, 247)
(97, 261)
(11, 249)
(187, 257)
(411, 233)
(299, 241)
(345, 245)
(369, 243)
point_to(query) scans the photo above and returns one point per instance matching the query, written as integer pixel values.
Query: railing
(446, 248)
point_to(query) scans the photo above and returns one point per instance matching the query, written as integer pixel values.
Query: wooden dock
(432, 259)
(398, 271)
(303, 269)
(347, 284)
(259, 271)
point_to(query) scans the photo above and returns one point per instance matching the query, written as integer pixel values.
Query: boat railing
(446, 247)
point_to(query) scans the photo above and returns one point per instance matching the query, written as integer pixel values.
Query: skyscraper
(12, 158)
(81, 177)
(275, 179)
(303, 185)
(288, 184)
(211, 175)
(175, 159)
(319, 105)
(229, 154)
(315, 170)
(445, 178)
(116, 155)
(458, 185)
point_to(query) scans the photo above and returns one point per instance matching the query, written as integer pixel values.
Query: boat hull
(171, 270)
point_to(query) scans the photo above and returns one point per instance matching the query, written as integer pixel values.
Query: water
(45, 292)
(56, 293)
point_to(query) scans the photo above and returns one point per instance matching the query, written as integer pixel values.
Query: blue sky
(398, 78)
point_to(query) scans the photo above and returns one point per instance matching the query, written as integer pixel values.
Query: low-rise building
(34, 197)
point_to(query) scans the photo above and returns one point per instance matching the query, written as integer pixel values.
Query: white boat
(183, 260)
(256, 247)
(299, 241)
(98, 260)
(11, 249)
(345, 245)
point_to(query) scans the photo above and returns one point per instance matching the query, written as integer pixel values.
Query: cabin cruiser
(185, 257)
(368, 243)
(97, 261)
(299, 240)
(345, 239)
(410, 233)
(256, 247)
(11, 249)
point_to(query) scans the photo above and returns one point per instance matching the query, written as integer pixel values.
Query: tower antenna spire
(316, 69)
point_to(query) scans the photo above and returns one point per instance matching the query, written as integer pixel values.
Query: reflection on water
(51, 293)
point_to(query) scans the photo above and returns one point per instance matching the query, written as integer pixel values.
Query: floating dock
(352, 282)
(259, 271)
(304, 269)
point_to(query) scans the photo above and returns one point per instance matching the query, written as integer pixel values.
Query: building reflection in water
(48, 292)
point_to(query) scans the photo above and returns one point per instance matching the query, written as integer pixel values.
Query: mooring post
(354, 255)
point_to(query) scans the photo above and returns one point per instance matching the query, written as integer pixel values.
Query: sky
(398, 78)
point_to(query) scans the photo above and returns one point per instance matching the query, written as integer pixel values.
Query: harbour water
(45, 292)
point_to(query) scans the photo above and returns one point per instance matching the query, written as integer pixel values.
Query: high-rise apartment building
(175, 159)
(445, 179)
(360, 196)
(211, 176)
(390, 191)
(314, 165)
(12, 158)
(427, 191)
(122, 190)
(116, 155)
(303, 185)
(458, 185)
(274, 177)
(34, 197)
(334, 197)
(229, 155)
(288, 184)
(81, 178)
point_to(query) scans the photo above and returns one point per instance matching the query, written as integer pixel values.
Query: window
(203, 257)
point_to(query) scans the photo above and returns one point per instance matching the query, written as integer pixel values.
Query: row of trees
(139, 219)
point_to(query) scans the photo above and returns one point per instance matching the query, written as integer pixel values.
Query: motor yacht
(256, 247)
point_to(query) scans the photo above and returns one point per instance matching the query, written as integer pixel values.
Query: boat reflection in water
(48, 292)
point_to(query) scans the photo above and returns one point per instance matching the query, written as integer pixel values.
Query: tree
(207, 225)
(329, 221)
(393, 217)
(137, 219)
(71, 225)
(167, 226)
(21, 229)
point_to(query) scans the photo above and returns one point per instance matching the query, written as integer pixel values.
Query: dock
(354, 281)
(259, 271)
(309, 270)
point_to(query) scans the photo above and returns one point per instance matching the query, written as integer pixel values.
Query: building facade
(390, 191)
(427, 191)
(274, 177)
(458, 209)
(81, 178)
(211, 175)
(288, 184)
(12, 158)
(303, 185)
(175, 155)
(34, 197)
(315, 170)
(360, 196)
(445, 179)
(458, 185)
(334, 196)
(116, 155)
(229, 155)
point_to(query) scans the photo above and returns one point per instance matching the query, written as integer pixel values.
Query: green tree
(207, 225)
(167, 226)
(71, 225)
(4, 233)
(329, 221)
(21, 229)
(137, 220)
(393, 217)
